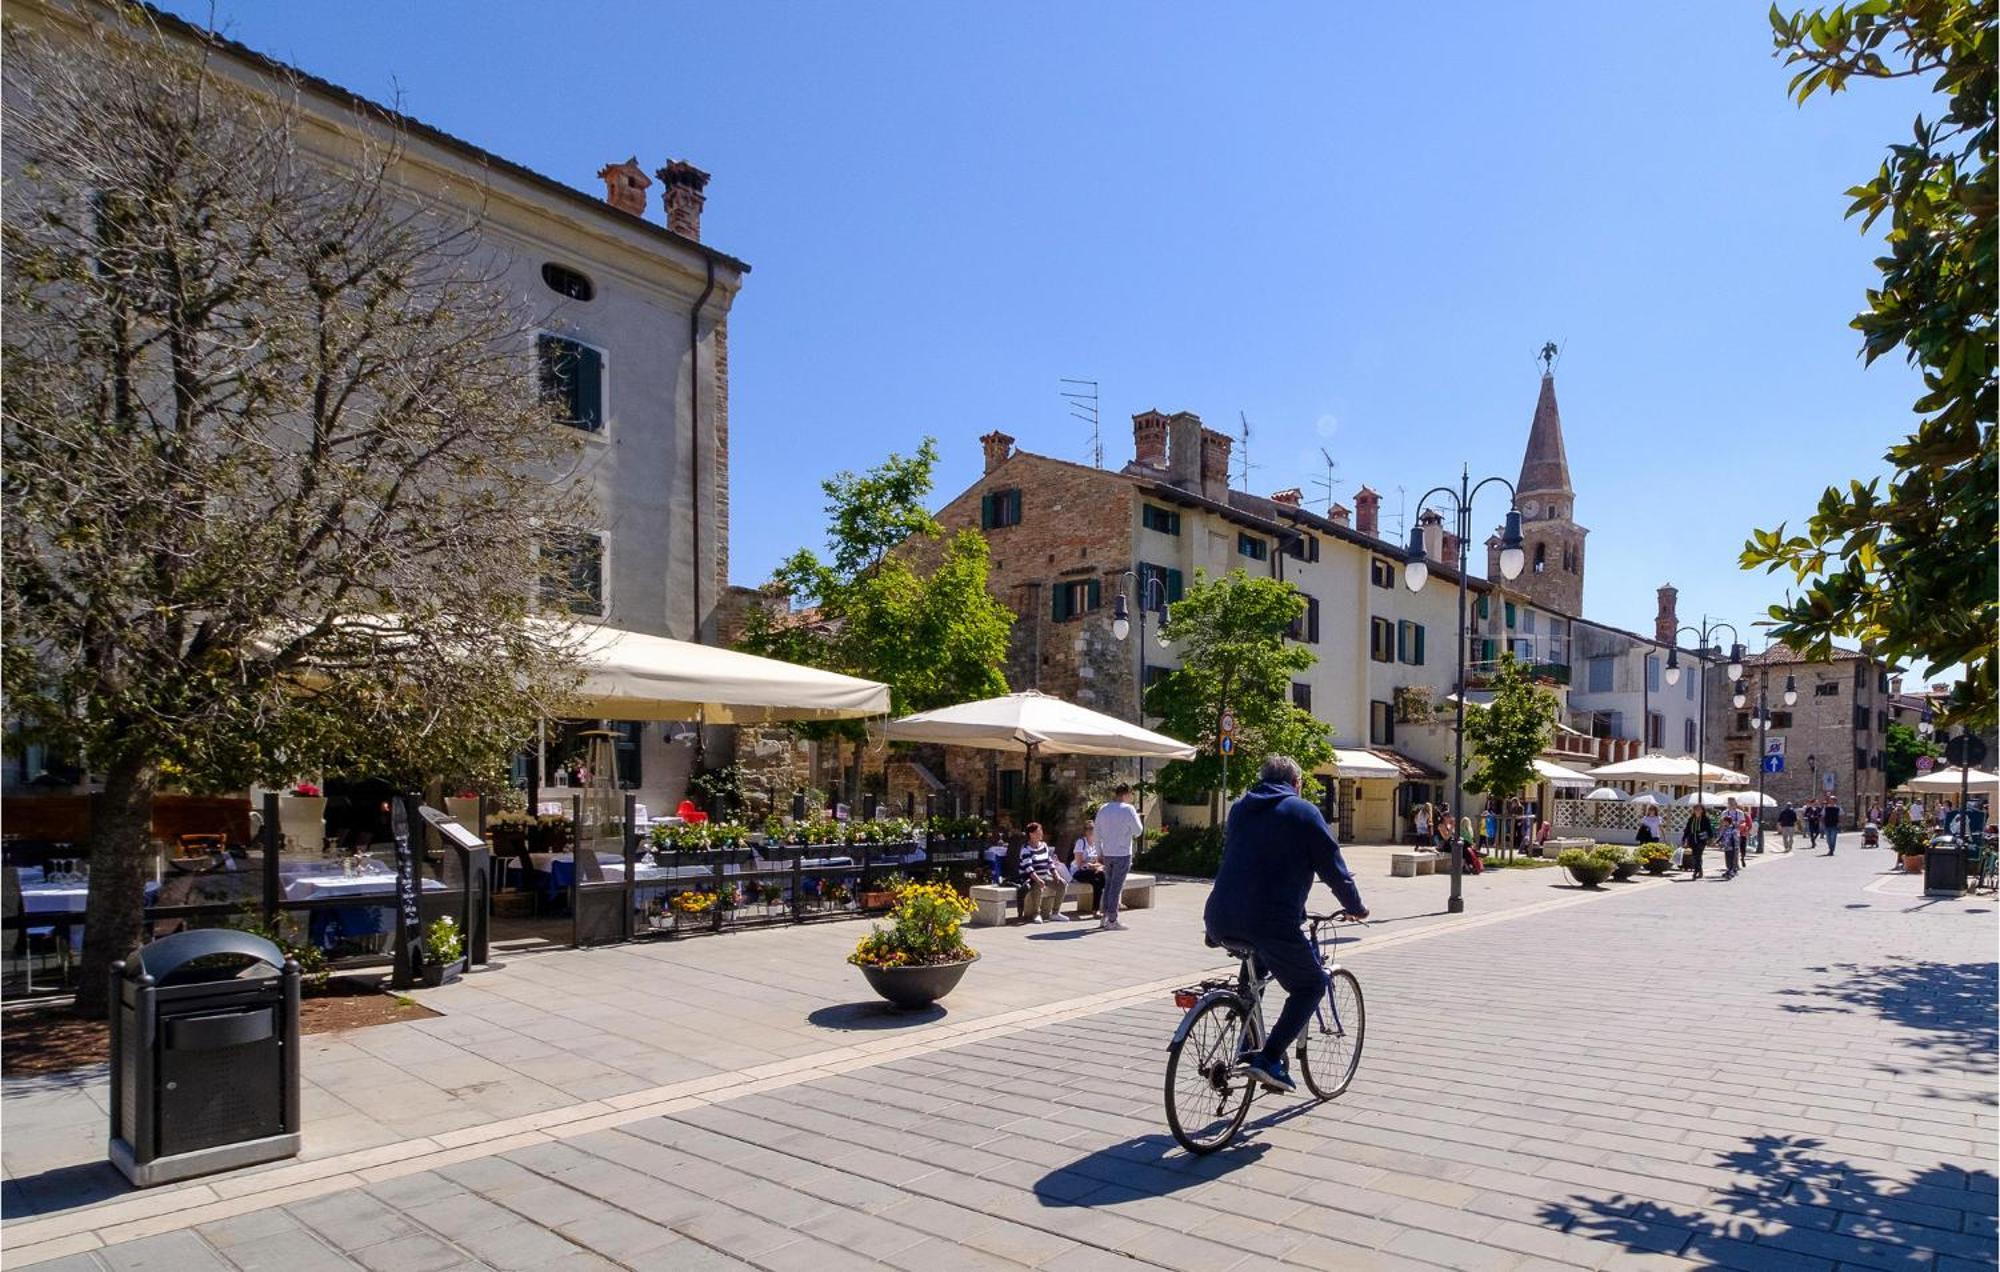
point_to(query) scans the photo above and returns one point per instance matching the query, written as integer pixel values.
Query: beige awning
(1679, 769)
(1946, 781)
(1017, 721)
(1359, 765)
(631, 676)
(1549, 771)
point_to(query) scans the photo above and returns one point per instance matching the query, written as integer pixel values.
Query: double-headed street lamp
(1763, 724)
(1121, 627)
(1705, 653)
(1416, 572)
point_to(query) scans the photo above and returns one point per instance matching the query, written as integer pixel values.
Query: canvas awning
(1360, 765)
(1019, 721)
(632, 676)
(1667, 768)
(1554, 773)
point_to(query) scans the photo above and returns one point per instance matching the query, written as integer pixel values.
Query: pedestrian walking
(1423, 825)
(1119, 828)
(1732, 839)
(1788, 824)
(1695, 835)
(1813, 814)
(1829, 822)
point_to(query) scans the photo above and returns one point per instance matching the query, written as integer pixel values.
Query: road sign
(1827, 781)
(1925, 764)
(1774, 746)
(1228, 723)
(1228, 745)
(1774, 762)
(1965, 750)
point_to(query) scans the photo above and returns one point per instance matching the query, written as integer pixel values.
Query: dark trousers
(1694, 860)
(1292, 961)
(1094, 876)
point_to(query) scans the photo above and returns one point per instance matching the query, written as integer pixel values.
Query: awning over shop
(1379, 763)
(632, 676)
(1556, 774)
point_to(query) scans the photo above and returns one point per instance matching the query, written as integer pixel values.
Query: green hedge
(1184, 850)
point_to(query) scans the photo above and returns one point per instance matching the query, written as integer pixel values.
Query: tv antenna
(1402, 521)
(1082, 398)
(1325, 484)
(1243, 480)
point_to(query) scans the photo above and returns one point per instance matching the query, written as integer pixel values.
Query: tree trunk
(121, 836)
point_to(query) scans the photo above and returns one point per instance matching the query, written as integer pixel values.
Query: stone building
(1831, 739)
(628, 309)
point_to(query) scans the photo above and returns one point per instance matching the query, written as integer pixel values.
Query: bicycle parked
(1209, 1087)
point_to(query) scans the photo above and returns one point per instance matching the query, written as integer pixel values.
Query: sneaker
(1272, 1074)
(1036, 919)
(1115, 926)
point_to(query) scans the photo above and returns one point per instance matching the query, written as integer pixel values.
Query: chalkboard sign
(409, 918)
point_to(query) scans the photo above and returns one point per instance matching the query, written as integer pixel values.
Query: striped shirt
(1036, 861)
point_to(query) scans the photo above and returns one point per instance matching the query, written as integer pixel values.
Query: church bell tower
(1553, 576)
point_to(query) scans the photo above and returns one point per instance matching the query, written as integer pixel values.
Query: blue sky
(1355, 227)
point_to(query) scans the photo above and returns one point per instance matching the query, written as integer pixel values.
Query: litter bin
(1944, 868)
(204, 1056)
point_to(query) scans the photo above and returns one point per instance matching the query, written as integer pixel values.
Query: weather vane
(1548, 357)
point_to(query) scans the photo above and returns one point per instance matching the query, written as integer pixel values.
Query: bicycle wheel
(1330, 1049)
(1207, 1097)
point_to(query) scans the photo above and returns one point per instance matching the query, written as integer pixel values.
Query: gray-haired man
(1118, 829)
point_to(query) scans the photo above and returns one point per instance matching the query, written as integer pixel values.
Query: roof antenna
(1402, 526)
(1243, 482)
(1082, 399)
(1325, 484)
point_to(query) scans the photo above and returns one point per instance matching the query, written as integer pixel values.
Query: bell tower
(1550, 535)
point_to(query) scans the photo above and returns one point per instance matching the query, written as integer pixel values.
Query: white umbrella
(1607, 793)
(1646, 797)
(1556, 775)
(632, 676)
(1021, 721)
(1946, 782)
(1679, 769)
(1717, 799)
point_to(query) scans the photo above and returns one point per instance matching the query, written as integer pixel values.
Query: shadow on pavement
(1071, 934)
(63, 1188)
(1786, 1217)
(1144, 1166)
(1948, 1005)
(873, 1015)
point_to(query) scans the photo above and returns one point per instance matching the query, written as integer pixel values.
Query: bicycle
(1209, 1088)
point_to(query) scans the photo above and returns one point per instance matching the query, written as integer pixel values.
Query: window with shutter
(986, 512)
(1302, 695)
(1403, 641)
(1312, 620)
(572, 380)
(999, 508)
(1418, 660)
(572, 573)
(1510, 613)
(1059, 602)
(1164, 520)
(1173, 586)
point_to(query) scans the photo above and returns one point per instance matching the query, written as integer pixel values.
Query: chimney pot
(1215, 449)
(1184, 432)
(1149, 440)
(1367, 508)
(1340, 515)
(999, 447)
(684, 197)
(1431, 524)
(625, 186)
(1291, 498)
(1667, 623)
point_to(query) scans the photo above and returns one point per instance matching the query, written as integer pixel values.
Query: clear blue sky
(1354, 226)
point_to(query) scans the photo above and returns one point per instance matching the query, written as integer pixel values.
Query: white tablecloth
(542, 860)
(320, 887)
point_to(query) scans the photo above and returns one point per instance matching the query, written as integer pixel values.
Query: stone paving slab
(1786, 1070)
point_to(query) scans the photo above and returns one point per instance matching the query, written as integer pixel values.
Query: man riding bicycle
(1276, 842)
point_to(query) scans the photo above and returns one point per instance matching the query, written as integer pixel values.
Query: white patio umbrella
(1608, 793)
(1027, 721)
(1946, 781)
(1679, 769)
(633, 676)
(1719, 799)
(1646, 797)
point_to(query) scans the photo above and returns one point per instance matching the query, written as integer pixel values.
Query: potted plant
(883, 894)
(1907, 838)
(1584, 866)
(444, 952)
(1653, 858)
(689, 906)
(1623, 864)
(921, 956)
(302, 818)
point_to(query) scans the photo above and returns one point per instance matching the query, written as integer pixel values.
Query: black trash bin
(1944, 868)
(204, 1056)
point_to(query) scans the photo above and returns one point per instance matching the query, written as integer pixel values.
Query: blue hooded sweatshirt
(1275, 844)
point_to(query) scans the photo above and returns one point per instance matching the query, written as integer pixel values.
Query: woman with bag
(1700, 829)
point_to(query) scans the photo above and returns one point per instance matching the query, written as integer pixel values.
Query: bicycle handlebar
(1338, 916)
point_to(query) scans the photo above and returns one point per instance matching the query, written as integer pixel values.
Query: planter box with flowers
(444, 952)
(692, 909)
(1653, 858)
(1908, 841)
(921, 956)
(1585, 865)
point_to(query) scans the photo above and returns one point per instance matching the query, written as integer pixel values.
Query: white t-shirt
(1118, 827)
(1085, 853)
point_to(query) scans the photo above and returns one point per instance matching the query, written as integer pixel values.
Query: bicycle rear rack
(1189, 995)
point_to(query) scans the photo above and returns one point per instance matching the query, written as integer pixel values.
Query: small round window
(563, 279)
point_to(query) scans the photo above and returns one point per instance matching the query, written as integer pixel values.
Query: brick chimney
(1431, 523)
(1215, 449)
(1340, 514)
(999, 447)
(684, 197)
(1451, 549)
(1367, 507)
(1290, 498)
(1149, 440)
(625, 185)
(1668, 621)
(1184, 450)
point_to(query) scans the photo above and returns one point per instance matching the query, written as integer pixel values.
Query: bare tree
(275, 459)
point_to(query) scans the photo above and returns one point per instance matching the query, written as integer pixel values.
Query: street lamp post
(1764, 734)
(1416, 571)
(1121, 627)
(1705, 653)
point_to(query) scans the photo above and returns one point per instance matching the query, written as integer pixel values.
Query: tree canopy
(1910, 566)
(895, 599)
(1509, 732)
(1231, 633)
(1900, 751)
(275, 465)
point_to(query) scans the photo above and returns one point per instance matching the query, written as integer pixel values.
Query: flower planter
(1624, 870)
(1913, 862)
(1656, 866)
(877, 900)
(914, 988)
(435, 974)
(1588, 876)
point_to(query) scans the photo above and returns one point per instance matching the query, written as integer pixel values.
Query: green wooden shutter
(1420, 645)
(1510, 613)
(1173, 585)
(985, 512)
(1096, 595)
(1014, 507)
(587, 388)
(1483, 611)
(1059, 602)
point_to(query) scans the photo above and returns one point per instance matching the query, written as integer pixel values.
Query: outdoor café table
(62, 898)
(358, 920)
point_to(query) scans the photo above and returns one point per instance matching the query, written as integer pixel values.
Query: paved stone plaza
(1795, 1069)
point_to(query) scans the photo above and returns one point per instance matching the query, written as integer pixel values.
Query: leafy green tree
(1231, 635)
(895, 599)
(1912, 569)
(1900, 752)
(274, 464)
(1509, 732)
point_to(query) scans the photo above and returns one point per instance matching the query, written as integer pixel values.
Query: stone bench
(1408, 863)
(993, 899)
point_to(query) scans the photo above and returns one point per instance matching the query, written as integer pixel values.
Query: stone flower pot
(436, 974)
(914, 988)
